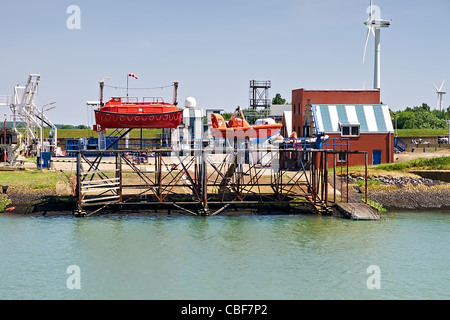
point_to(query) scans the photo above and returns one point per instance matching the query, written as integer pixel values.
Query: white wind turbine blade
(370, 27)
(440, 89)
(437, 90)
(365, 46)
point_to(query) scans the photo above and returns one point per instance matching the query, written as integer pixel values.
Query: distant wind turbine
(440, 94)
(374, 25)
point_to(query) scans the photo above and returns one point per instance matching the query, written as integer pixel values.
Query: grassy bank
(86, 133)
(393, 186)
(30, 190)
(33, 179)
(437, 163)
(421, 132)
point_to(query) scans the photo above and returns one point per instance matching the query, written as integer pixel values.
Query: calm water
(248, 257)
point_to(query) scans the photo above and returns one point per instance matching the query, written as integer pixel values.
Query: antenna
(102, 84)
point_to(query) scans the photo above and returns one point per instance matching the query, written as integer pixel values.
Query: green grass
(370, 182)
(439, 163)
(34, 179)
(421, 132)
(374, 205)
(87, 133)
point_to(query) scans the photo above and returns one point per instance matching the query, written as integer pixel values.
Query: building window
(294, 108)
(350, 130)
(342, 157)
(307, 132)
(345, 130)
(299, 108)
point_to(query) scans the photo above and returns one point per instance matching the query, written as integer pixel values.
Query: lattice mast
(25, 110)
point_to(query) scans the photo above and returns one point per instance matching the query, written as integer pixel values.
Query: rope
(153, 88)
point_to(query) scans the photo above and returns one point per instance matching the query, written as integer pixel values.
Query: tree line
(421, 117)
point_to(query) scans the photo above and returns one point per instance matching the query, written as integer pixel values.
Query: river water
(404, 256)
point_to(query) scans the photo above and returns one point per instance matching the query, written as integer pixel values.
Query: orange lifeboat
(127, 112)
(239, 128)
(123, 113)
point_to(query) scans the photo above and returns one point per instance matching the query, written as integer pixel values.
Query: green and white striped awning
(371, 118)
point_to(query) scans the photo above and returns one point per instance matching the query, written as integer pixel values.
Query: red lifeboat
(127, 112)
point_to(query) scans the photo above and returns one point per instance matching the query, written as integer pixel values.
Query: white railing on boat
(136, 100)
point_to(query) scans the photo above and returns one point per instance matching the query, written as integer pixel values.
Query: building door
(376, 156)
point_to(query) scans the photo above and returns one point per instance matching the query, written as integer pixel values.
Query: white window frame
(350, 130)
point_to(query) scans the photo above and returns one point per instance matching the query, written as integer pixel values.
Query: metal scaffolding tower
(259, 94)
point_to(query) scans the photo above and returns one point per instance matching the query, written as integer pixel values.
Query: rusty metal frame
(221, 182)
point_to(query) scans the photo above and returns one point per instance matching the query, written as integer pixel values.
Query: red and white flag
(132, 75)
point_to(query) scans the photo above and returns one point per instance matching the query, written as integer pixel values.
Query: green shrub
(370, 182)
(374, 205)
(4, 201)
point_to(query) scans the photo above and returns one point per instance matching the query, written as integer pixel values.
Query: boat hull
(106, 119)
(262, 131)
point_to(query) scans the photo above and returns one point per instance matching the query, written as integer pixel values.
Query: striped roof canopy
(370, 118)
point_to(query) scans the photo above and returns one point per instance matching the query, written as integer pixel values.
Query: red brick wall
(368, 142)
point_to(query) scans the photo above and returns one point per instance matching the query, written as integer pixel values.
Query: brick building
(355, 116)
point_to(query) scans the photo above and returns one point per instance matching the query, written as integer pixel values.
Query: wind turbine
(374, 24)
(440, 94)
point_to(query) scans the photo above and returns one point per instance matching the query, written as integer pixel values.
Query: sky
(214, 48)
